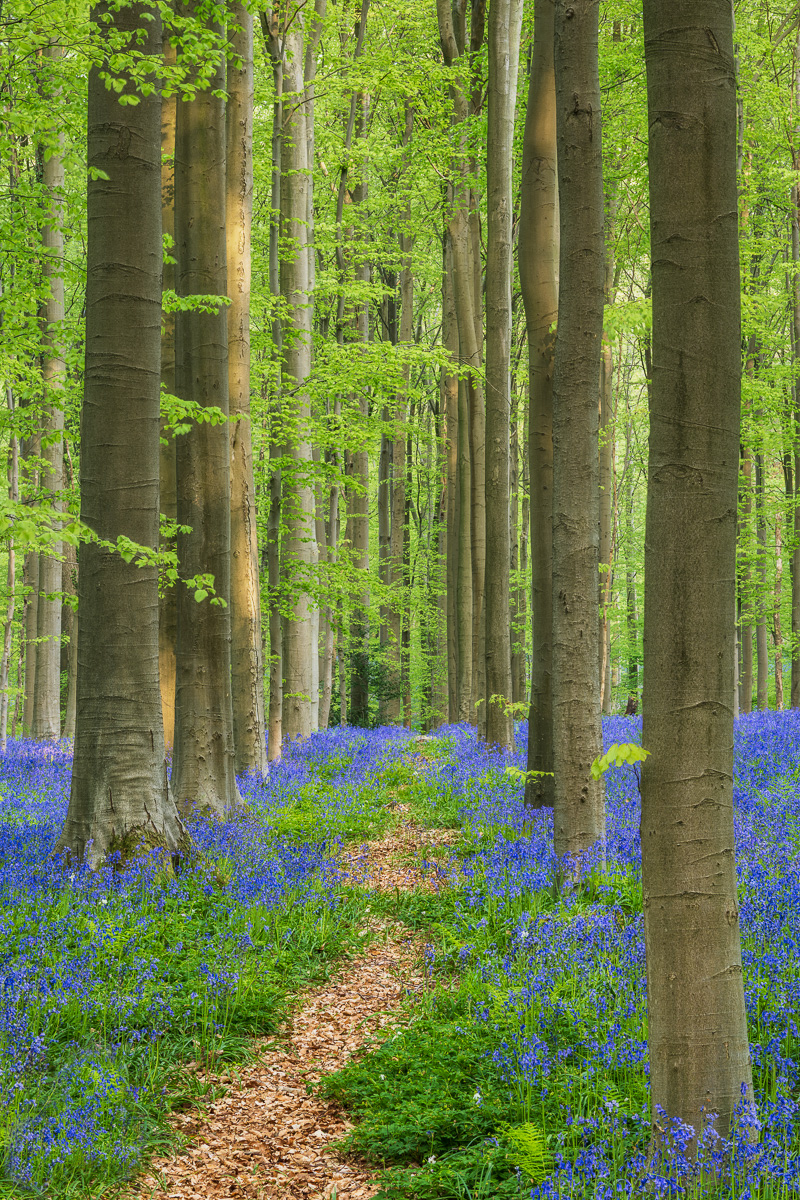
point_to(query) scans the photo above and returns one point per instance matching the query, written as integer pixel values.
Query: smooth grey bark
(745, 582)
(579, 810)
(69, 625)
(522, 608)
(606, 456)
(631, 616)
(437, 577)
(270, 29)
(763, 598)
(505, 20)
(516, 597)
(30, 582)
(776, 630)
(449, 393)
(47, 691)
(168, 499)
(247, 664)
(449, 400)
(203, 771)
(464, 241)
(11, 576)
(538, 271)
(120, 798)
(312, 40)
(795, 421)
(299, 548)
(697, 1030)
(359, 515)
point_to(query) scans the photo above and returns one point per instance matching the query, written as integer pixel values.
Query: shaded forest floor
(368, 984)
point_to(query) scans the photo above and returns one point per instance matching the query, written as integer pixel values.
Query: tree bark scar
(713, 40)
(122, 148)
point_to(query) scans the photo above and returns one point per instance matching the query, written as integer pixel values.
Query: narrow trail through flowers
(268, 1137)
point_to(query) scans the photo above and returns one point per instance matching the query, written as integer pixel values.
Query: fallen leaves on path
(268, 1138)
(403, 860)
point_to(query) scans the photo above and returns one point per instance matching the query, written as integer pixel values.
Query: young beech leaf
(616, 755)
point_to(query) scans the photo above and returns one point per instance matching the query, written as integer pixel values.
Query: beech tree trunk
(464, 240)
(11, 577)
(538, 269)
(579, 819)
(30, 580)
(449, 391)
(247, 664)
(697, 1031)
(203, 772)
(299, 547)
(359, 516)
(168, 596)
(120, 798)
(777, 633)
(505, 19)
(745, 583)
(763, 599)
(47, 691)
(269, 25)
(517, 597)
(795, 331)
(631, 617)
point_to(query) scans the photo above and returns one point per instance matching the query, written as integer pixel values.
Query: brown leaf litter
(268, 1138)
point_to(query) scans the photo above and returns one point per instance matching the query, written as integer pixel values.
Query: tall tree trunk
(270, 29)
(203, 772)
(464, 594)
(439, 538)
(384, 545)
(523, 606)
(579, 819)
(47, 693)
(515, 605)
(631, 617)
(795, 333)
(505, 19)
(358, 496)
(762, 601)
(477, 399)
(247, 665)
(299, 547)
(30, 581)
(359, 515)
(168, 596)
(606, 466)
(697, 1031)
(407, 576)
(11, 577)
(538, 270)
(745, 582)
(401, 532)
(777, 634)
(449, 390)
(462, 230)
(120, 798)
(69, 627)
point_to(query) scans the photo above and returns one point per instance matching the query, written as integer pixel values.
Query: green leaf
(616, 755)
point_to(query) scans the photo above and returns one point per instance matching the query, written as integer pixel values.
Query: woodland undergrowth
(522, 1071)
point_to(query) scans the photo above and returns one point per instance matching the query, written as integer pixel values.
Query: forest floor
(272, 1136)
(369, 983)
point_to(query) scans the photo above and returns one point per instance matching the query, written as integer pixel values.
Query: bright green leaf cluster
(616, 755)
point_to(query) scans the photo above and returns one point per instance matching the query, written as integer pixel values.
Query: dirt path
(267, 1138)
